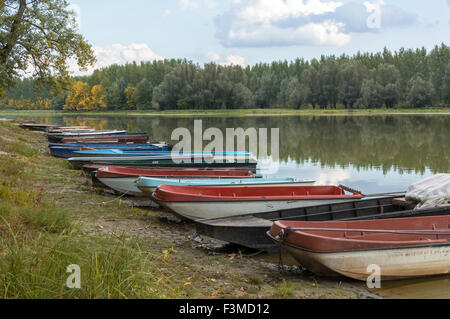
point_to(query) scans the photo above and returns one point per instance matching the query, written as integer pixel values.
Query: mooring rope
(108, 202)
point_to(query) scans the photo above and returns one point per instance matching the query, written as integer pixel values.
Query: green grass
(38, 241)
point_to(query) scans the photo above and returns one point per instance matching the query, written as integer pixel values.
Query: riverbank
(234, 113)
(51, 217)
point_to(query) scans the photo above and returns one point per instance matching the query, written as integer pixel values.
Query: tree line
(404, 78)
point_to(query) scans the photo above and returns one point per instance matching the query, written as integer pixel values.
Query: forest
(408, 78)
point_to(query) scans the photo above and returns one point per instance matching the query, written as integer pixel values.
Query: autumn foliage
(81, 98)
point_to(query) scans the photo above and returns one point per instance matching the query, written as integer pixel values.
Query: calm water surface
(374, 154)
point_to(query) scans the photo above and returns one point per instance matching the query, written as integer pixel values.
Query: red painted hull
(117, 139)
(119, 171)
(172, 193)
(341, 236)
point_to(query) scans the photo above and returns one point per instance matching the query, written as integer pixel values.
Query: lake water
(374, 154)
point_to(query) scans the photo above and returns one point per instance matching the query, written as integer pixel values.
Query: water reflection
(374, 153)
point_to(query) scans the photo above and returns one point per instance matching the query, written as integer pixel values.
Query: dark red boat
(106, 139)
(397, 248)
(120, 171)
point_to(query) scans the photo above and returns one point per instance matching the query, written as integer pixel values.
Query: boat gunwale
(437, 243)
(253, 199)
(197, 198)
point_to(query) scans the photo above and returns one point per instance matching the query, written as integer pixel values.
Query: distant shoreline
(234, 113)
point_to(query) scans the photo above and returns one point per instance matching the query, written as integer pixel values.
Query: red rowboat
(197, 203)
(113, 139)
(400, 248)
(120, 171)
(123, 179)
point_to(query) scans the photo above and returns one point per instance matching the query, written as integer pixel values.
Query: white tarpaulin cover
(430, 192)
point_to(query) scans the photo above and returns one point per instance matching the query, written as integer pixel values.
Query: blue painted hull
(120, 152)
(67, 150)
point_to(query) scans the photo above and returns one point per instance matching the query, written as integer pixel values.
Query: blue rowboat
(119, 152)
(149, 184)
(67, 150)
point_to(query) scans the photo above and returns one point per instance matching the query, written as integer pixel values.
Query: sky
(246, 32)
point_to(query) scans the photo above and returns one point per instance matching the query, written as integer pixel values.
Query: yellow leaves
(97, 97)
(2, 93)
(168, 252)
(81, 98)
(129, 92)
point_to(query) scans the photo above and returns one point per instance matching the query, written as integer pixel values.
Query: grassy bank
(239, 113)
(51, 217)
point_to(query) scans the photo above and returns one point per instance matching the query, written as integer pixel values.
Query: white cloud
(213, 56)
(264, 23)
(273, 10)
(261, 23)
(234, 60)
(325, 33)
(119, 54)
(229, 60)
(332, 177)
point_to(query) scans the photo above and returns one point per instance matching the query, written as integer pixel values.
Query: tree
(267, 91)
(177, 88)
(241, 97)
(78, 98)
(447, 85)
(129, 92)
(328, 78)
(143, 95)
(371, 94)
(350, 82)
(40, 35)
(388, 77)
(311, 86)
(97, 98)
(420, 92)
(115, 95)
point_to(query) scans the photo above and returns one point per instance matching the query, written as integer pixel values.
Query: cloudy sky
(250, 31)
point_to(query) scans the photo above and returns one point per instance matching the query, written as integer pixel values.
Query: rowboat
(123, 179)
(117, 152)
(55, 129)
(107, 139)
(67, 150)
(190, 160)
(250, 230)
(399, 248)
(57, 137)
(149, 184)
(36, 126)
(196, 203)
(69, 130)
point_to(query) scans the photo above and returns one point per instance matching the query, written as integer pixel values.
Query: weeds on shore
(38, 241)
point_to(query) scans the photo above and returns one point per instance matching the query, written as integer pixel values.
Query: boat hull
(124, 185)
(197, 211)
(394, 264)
(68, 151)
(250, 231)
(144, 161)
